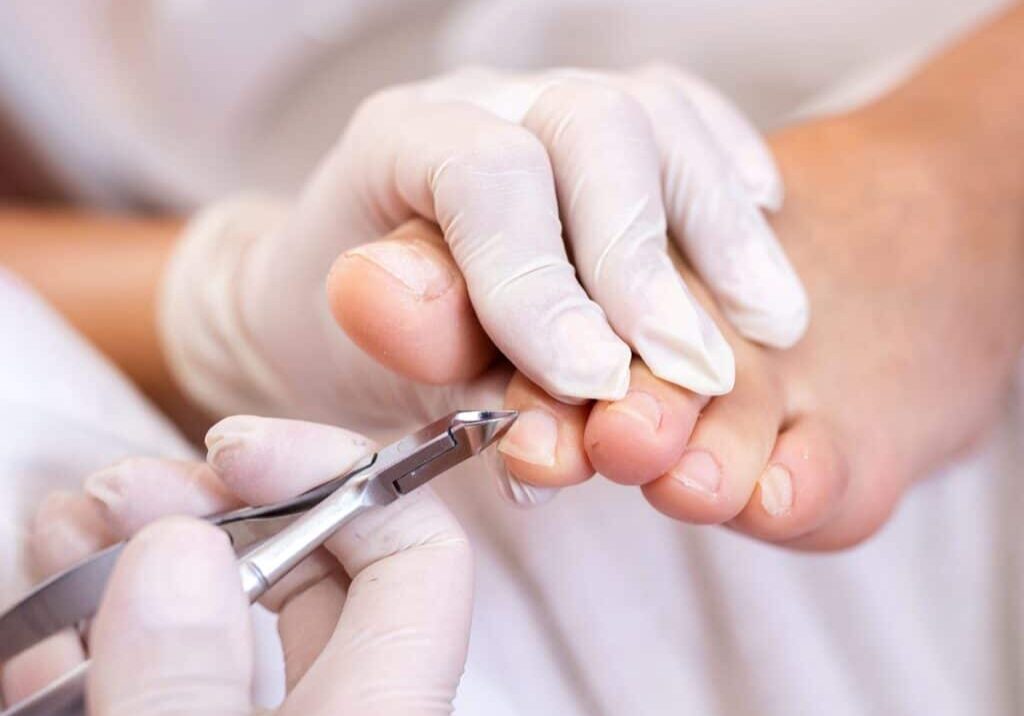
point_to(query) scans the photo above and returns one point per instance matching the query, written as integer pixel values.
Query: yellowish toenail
(699, 472)
(533, 438)
(640, 406)
(776, 490)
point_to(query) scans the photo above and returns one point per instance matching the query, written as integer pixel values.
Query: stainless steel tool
(270, 540)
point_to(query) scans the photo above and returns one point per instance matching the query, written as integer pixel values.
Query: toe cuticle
(698, 471)
(533, 438)
(419, 274)
(641, 407)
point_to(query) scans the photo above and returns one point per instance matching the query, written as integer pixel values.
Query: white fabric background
(176, 101)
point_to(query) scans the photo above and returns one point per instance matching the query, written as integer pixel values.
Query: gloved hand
(495, 160)
(377, 620)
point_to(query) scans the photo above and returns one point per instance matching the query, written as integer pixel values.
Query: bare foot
(915, 292)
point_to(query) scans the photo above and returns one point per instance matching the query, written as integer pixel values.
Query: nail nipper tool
(270, 540)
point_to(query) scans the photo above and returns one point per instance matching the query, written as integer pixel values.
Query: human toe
(800, 487)
(544, 447)
(719, 468)
(403, 300)
(634, 440)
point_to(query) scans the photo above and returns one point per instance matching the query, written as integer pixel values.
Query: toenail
(699, 472)
(776, 490)
(533, 438)
(641, 407)
(424, 277)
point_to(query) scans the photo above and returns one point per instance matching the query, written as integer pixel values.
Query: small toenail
(776, 490)
(640, 406)
(422, 275)
(533, 438)
(699, 472)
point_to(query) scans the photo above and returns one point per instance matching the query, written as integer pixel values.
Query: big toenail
(640, 406)
(776, 490)
(533, 438)
(699, 472)
(422, 275)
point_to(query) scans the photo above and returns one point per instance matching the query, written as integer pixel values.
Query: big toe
(403, 300)
(634, 440)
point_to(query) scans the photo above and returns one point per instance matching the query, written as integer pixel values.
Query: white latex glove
(495, 159)
(377, 622)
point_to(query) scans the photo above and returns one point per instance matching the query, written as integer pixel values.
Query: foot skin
(910, 347)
